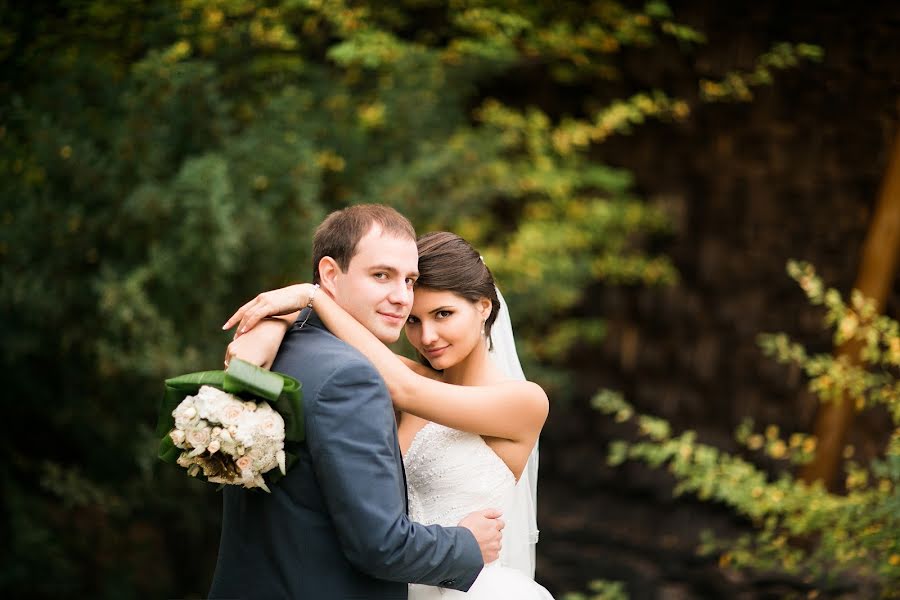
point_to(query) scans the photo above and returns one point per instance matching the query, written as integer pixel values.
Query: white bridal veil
(521, 532)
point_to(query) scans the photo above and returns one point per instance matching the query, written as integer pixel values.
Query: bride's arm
(260, 345)
(515, 410)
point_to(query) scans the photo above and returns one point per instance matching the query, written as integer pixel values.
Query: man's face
(377, 288)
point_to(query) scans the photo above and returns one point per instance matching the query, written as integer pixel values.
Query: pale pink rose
(177, 436)
(232, 412)
(269, 424)
(214, 446)
(244, 463)
(198, 438)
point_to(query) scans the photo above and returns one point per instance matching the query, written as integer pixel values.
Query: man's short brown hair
(339, 234)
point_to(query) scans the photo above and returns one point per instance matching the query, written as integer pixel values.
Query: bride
(468, 420)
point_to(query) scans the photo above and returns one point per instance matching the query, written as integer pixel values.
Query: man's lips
(393, 317)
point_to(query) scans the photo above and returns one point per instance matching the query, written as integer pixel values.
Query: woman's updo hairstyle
(449, 263)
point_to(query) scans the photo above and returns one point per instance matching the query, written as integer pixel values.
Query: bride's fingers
(239, 314)
(254, 316)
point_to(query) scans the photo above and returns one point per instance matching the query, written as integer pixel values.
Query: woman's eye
(443, 314)
(412, 320)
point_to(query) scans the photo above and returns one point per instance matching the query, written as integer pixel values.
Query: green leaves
(800, 529)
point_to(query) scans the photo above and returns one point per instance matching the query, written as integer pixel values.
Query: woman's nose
(429, 334)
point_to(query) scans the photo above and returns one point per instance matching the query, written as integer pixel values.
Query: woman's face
(445, 327)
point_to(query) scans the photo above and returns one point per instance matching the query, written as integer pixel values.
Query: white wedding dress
(450, 474)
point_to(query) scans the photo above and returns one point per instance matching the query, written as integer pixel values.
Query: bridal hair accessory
(309, 304)
(230, 427)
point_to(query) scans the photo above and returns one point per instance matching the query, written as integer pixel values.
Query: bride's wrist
(308, 295)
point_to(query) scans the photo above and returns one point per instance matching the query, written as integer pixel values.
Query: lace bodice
(451, 473)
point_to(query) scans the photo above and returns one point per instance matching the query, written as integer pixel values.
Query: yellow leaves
(372, 116)
(894, 560)
(330, 161)
(848, 326)
(260, 182)
(857, 479)
(809, 445)
(894, 350)
(778, 449)
(65, 152)
(213, 17)
(177, 52)
(755, 441)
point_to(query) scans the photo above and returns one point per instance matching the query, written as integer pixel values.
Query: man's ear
(329, 271)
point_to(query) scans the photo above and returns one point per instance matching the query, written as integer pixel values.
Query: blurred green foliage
(162, 162)
(831, 543)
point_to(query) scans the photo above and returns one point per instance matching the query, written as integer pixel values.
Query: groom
(336, 526)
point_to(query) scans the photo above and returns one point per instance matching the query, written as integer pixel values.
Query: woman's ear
(329, 271)
(484, 307)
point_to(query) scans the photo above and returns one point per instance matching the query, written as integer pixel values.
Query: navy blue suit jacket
(336, 526)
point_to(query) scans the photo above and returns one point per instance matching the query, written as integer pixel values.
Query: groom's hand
(486, 526)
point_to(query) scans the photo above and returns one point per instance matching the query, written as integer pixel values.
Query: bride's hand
(282, 301)
(260, 346)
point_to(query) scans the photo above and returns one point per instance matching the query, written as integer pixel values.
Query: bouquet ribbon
(243, 379)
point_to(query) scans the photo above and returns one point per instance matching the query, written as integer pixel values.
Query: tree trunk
(874, 280)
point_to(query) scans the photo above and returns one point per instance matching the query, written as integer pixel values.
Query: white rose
(213, 446)
(177, 436)
(250, 405)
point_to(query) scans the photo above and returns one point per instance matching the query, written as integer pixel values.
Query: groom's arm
(351, 438)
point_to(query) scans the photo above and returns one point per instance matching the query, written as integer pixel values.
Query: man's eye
(410, 281)
(380, 275)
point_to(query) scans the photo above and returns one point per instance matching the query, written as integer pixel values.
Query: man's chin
(387, 335)
(388, 339)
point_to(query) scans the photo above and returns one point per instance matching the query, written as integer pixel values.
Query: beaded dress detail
(449, 474)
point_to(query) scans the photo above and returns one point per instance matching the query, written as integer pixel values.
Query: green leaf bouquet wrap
(233, 426)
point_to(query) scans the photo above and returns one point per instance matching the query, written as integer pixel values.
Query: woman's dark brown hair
(449, 263)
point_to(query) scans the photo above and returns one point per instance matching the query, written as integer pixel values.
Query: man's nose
(401, 294)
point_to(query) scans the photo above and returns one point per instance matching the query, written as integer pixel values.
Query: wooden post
(874, 279)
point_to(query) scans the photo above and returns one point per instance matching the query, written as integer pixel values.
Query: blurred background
(638, 176)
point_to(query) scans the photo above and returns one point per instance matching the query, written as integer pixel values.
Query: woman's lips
(435, 352)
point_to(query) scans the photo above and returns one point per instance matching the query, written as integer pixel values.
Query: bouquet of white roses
(226, 439)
